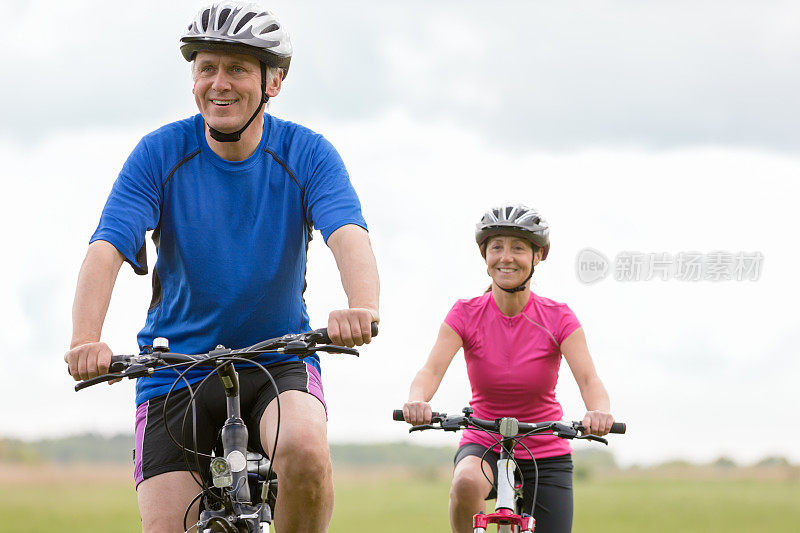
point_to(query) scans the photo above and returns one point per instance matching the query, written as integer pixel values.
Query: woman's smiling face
(509, 260)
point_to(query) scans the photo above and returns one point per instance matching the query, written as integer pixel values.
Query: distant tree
(724, 462)
(588, 460)
(594, 458)
(773, 461)
(17, 451)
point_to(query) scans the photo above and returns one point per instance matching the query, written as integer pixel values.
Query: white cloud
(566, 77)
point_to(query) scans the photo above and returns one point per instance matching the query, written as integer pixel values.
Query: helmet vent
(271, 27)
(223, 16)
(242, 27)
(517, 220)
(245, 20)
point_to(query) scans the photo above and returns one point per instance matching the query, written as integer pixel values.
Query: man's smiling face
(227, 88)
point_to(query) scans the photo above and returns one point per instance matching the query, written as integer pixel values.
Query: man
(232, 195)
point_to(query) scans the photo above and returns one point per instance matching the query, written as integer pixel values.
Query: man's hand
(351, 327)
(88, 360)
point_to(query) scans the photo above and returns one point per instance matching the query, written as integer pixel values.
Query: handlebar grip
(118, 364)
(618, 427)
(324, 339)
(397, 415)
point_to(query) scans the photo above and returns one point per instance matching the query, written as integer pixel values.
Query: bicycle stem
(234, 434)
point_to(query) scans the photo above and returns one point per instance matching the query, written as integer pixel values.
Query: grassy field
(76, 499)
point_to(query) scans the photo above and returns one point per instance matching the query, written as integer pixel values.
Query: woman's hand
(597, 422)
(417, 413)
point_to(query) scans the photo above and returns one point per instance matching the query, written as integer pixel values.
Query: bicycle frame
(234, 510)
(511, 429)
(505, 507)
(234, 444)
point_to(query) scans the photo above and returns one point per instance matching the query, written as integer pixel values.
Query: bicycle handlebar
(560, 429)
(300, 344)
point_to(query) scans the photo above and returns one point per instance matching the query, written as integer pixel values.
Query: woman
(513, 340)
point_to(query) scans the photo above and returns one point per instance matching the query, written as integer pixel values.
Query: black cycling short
(553, 511)
(155, 453)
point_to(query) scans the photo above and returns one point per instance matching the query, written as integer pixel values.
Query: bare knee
(468, 488)
(304, 464)
(163, 500)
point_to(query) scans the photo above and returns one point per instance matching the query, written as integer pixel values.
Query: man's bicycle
(238, 493)
(508, 515)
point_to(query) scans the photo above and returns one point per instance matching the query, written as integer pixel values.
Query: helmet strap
(521, 287)
(237, 135)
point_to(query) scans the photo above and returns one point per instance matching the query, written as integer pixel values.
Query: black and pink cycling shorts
(156, 453)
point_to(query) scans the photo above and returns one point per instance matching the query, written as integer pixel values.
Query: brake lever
(95, 380)
(133, 371)
(422, 427)
(594, 438)
(334, 348)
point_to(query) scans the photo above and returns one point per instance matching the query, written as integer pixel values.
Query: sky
(635, 128)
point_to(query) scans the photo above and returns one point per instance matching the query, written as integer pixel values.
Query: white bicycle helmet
(517, 220)
(239, 27)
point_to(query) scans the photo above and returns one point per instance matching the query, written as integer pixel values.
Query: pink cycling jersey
(512, 363)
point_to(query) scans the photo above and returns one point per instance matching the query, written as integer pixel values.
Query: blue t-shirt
(231, 236)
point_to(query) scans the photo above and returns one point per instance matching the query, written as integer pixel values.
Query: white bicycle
(508, 514)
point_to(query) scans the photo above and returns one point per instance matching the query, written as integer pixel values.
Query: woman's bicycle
(238, 493)
(508, 515)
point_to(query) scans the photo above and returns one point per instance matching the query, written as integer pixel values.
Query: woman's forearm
(423, 387)
(595, 396)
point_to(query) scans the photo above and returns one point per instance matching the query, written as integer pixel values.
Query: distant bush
(773, 461)
(17, 451)
(594, 458)
(587, 461)
(724, 462)
(392, 454)
(87, 447)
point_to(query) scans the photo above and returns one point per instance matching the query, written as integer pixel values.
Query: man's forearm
(93, 292)
(357, 267)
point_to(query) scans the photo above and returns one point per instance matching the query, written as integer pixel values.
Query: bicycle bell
(509, 427)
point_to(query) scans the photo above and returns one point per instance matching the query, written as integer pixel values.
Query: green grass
(389, 505)
(106, 506)
(732, 506)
